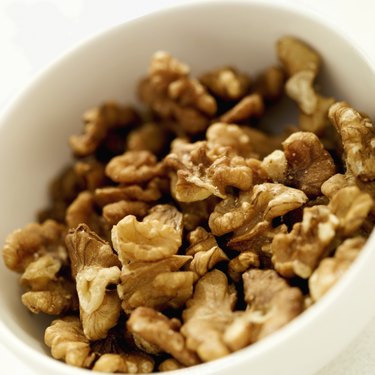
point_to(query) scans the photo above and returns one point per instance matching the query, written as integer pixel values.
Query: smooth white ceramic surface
(34, 130)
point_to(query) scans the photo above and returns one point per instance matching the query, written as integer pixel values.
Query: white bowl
(33, 146)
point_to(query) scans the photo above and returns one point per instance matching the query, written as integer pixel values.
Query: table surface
(27, 29)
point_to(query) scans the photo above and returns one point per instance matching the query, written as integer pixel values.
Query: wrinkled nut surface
(98, 122)
(157, 284)
(67, 341)
(165, 218)
(299, 252)
(157, 237)
(34, 240)
(358, 139)
(331, 269)
(309, 164)
(227, 83)
(207, 314)
(158, 330)
(94, 267)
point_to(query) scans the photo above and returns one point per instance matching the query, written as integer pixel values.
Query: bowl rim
(294, 328)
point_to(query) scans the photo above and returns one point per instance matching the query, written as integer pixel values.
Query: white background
(35, 32)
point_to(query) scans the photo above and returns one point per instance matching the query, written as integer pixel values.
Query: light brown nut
(331, 269)
(248, 107)
(205, 250)
(151, 136)
(48, 292)
(94, 267)
(276, 166)
(269, 294)
(270, 83)
(172, 95)
(158, 236)
(197, 213)
(155, 284)
(299, 87)
(98, 122)
(207, 315)
(134, 167)
(336, 182)
(91, 172)
(155, 328)
(200, 172)
(299, 252)
(241, 263)
(22, 246)
(309, 164)
(317, 121)
(296, 55)
(67, 341)
(226, 82)
(272, 303)
(229, 135)
(170, 364)
(261, 205)
(358, 139)
(124, 363)
(83, 211)
(351, 206)
(114, 212)
(111, 194)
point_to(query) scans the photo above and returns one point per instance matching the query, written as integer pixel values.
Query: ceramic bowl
(33, 146)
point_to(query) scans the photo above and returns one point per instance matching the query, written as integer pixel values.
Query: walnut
(22, 246)
(197, 213)
(134, 167)
(331, 186)
(205, 251)
(114, 212)
(241, 263)
(207, 315)
(248, 107)
(297, 56)
(270, 83)
(170, 364)
(150, 137)
(94, 267)
(299, 252)
(272, 303)
(226, 82)
(124, 363)
(158, 236)
(172, 95)
(67, 341)
(83, 210)
(331, 269)
(317, 121)
(111, 194)
(358, 139)
(276, 166)
(262, 204)
(155, 328)
(309, 164)
(98, 122)
(201, 173)
(233, 136)
(92, 173)
(351, 206)
(47, 291)
(156, 284)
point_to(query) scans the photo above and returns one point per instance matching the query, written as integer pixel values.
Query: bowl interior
(34, 130)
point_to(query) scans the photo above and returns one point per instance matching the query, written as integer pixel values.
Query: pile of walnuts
(185, 233)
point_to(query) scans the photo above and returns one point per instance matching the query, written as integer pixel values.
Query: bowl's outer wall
(33, 146)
